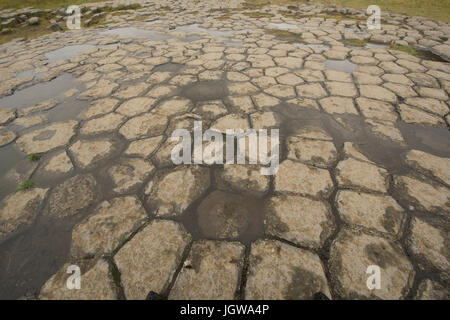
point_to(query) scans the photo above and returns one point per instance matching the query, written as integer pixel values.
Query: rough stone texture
(6, 137)
(111, 223)
(72, 196)
(338, 105)
(144, 147)
(171, 193)
(149, 260)
(242, 178)
(300, 220)
(315, 152)
(19, 210)
(430, 245)
(59, 164)
(351, 173)
(423, 195)
(279, 271)
(211, 271)
(104, 124)
(129, 173)
(351, 253)
(96, 284)
(301, 179)
(7, 115)
(48, 138)
(430, 290)
(437, 167)
(144, 126)
(376, 212)
(88, 153)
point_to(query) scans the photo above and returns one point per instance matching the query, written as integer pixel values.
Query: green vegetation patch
(25, 185)
(407, 49)
(34, 156)
(285, 35)
(258, 15)
(355, 43)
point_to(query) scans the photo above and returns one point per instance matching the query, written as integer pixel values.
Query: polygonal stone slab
(338, 105)
(150, 124)
(211, 271)
(136, 106)
(279, 271)
(107, 123)
(431, 290)
(48, 138)
(88, 153)
(175, 105)
(19, 210)
(353, 252)
(6, 137)
(299, 220)
(111, 223)
(129, 173)
(99, 107)
(172, 192)
(96, 284)
(302, 179)
(315, 152)
(424, 195)
(429, 244)
(149, 260)
(242, 178)
(72, 196)
(351, 173)
(144, 147)
(437, 167)
(376, 109)
(377, 212)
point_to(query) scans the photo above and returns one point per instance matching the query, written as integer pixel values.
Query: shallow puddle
(226, 215)
(68, 52)
(205, 90)
(39, 92)
(341, 65)
(130, 32)
(283, 26)
(312, 46)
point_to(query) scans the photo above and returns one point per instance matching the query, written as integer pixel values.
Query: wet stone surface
(86, 175)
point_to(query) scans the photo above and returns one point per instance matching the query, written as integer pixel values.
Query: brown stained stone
(96, 284)
(429, 244)
(149, 260)
(111, 223)
(423, 195)
(52, 136)
(242, 178)
(314, 152)
(19, 210)
(279, 271)
(169, 194)
(354, 174)
(72, 196)
(297, 178)
(128, 174)
(436, 167)
(149, 124)
(374, 212)
(211, 271)
(353, 252)
(299, 220)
